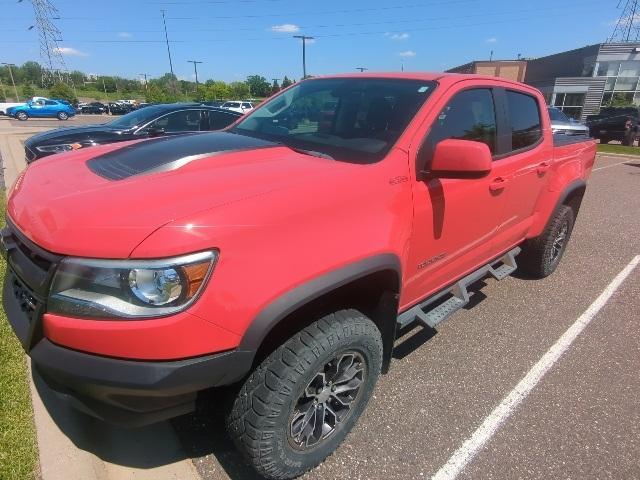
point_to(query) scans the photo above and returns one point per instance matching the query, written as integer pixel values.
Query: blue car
(42, 108)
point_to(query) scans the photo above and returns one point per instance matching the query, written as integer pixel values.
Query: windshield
(558, 116)
(350, 119)
(136, 118)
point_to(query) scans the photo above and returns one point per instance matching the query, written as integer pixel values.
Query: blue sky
(236, 38)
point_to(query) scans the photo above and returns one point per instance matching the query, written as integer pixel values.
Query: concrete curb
(72, 445)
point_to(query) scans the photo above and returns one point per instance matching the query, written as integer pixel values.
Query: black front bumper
(125, 392)
(134, 393)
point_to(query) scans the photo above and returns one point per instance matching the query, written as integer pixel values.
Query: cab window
(182, 121)
(524, 116)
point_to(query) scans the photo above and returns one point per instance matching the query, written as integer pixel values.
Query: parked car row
(152, 121)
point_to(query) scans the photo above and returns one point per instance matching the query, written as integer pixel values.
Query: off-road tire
(62, 116)
(260, 421)
(22, 116)
(541, 255)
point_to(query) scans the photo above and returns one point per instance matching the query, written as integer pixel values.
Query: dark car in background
(119, 108)
(610, 123)
(94, 107)
(151, 121)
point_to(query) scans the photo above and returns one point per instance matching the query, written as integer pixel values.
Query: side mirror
(461, 159)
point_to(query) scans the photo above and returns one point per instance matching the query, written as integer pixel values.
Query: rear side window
(470, 115)
(50, 102)
(246, 105)
(218, 120)
(524, 115)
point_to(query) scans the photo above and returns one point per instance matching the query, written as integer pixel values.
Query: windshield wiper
(313, 153)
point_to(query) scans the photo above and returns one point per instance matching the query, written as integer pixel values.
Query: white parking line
(501, 413)
(609, 166)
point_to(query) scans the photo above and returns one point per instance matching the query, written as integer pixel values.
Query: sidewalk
(72, 445)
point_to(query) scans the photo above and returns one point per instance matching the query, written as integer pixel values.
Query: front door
(454, 219)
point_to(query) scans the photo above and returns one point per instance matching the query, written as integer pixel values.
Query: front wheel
(22, 116)
(297, 407)
(541, 255)
(63, 116)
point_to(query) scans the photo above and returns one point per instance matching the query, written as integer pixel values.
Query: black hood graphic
(168, 153)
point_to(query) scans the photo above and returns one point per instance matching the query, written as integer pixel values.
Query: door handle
(498, 184)
(543, 167)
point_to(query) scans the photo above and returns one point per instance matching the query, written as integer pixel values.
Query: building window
(608, 69)
(570, 103)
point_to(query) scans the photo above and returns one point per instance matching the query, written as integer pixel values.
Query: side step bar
(422, 313)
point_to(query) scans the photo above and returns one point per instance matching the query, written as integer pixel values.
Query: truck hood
(104, 201)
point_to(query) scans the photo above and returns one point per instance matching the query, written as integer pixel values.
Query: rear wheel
(300, 403)
(63, 116)
(22, 116)
(541, 255)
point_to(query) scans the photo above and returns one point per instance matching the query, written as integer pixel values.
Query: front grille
(30, 271)
(25, 297)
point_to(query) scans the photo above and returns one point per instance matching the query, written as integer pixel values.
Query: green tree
(31, 72)
(239, 90)
(286, 82)
(275, 88)
(259, 86)
(217, 90)
(27, 90)
(63, 91)
(156, 94)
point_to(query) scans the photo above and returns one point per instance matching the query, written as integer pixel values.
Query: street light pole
(304, 53)
(195, 68)
(166, 39)
(146, 88)
(9, 65)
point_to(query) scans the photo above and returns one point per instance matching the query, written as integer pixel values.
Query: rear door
(520, 170)
(454, 219)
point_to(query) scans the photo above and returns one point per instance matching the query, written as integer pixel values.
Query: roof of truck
(440, 77)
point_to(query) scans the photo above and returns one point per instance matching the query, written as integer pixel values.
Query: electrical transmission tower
(627, 27)
(54, 68)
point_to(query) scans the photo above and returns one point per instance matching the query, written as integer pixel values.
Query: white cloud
(124, 35)
(285, 28)
(407, 53)
(491, 40)
(399, 36)
(70, 52)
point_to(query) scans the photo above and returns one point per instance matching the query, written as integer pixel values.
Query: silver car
(561, 123)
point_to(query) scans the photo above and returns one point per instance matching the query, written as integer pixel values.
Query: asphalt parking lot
(581, 421)
(55, 123)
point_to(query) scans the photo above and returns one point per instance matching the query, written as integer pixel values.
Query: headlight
(63, 147)
(129, 288)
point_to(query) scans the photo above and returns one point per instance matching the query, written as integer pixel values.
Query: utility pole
(195, 68)
(304, 53)
(491, 56)
(362, 69)
(402, 65)
(145, 81)
(9, 65)
(105, 93)
(166, 38)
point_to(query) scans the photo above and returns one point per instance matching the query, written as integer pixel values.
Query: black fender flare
(299, 296)
(569, 189)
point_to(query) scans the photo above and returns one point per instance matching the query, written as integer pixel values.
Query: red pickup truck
(283, 254)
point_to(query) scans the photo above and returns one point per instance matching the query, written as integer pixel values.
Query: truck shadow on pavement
(147, 447)
(409, 340)
(203, 433)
